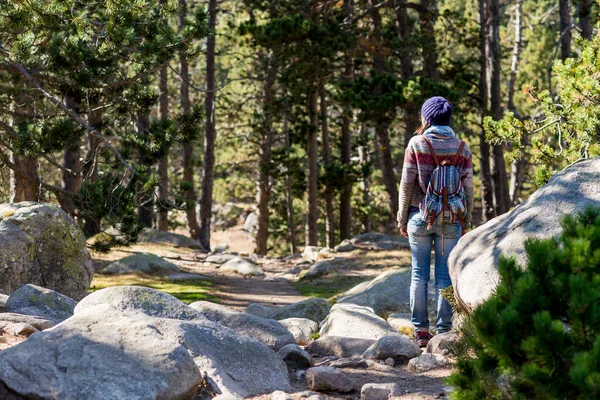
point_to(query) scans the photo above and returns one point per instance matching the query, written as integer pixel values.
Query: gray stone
(241, 266)
(344, 247)
(142, 262)
(397, 347)
(100, 356)
(318, 269)
(219, 258)
(267, 331)
(186, 276)
(40, 244)
(142, 300)
(390, 361)
(295, 357)
(380, 241)
(227, 397)
(38, 323)
(311, 253)
(379, 391)
(401, 322)
(156, 236)
(354, 321)
(17, 328)
(40, 302)
(426, 362)
(473, 263)
(233, 363)
(251, 223)
(443, 343)
(259, 310)
(315, 309)
(3, 299)
(349, 363)
(388, 292)
(329, 379)
(338, 346)
(301, 328)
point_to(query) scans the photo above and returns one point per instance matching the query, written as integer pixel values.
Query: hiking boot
(422, 338)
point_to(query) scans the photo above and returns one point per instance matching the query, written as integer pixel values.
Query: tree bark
(487, 191)
(381, 127)
(211, 133)
(365, 184)
(329, 222)
(188, 147)
(346, 140)
(499, 175)
(162, 218)
(289, 197)
(91, 226)
(585, 23)
(24, 188)
(565, 28)
(71, 162)
(312, 205)
(263, 184)
(428, 47)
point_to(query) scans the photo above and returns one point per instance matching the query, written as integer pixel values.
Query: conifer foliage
(538, 337)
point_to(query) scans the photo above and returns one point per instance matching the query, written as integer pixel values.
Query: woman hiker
(434, 212)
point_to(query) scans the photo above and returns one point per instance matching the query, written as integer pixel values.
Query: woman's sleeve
(407, 184)
(467, 181)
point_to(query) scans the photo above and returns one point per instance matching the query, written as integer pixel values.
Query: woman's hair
(424, 126)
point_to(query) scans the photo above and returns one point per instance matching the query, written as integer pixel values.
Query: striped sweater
(419, 165)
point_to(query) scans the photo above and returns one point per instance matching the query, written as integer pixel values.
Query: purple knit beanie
(437, 111)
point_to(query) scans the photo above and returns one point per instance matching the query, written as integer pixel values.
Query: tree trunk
(263, 184)
(585, 23)
(312, 205)
(211, 133)
(188, 147)
(346, 140)
(565, 28)
(428, 48)
(329, 222)
(91, 226)
(365, 184)
(289, 196)
(487, 191)
(381, 127)
(499, 175)
(162, 219)
(23, 183)
(145, 213)
(517, 167)
(71, 176)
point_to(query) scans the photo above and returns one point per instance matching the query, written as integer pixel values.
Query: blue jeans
(421, 242)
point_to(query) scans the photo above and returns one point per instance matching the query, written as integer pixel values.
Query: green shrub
(538, 336)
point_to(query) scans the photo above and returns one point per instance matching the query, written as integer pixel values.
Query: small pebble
(445, 352)
(390, 361)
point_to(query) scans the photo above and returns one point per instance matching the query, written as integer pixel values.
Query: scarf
(442, 131)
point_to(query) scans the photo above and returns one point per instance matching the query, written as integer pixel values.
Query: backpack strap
(458, 153)
(435, 158)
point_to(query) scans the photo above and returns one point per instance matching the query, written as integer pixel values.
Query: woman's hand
(403, 231)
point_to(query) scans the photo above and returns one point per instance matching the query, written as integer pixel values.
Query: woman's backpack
(445, 197)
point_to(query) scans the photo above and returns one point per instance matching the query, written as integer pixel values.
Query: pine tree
(538, 336)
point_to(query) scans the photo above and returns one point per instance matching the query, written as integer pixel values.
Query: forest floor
(273, 289)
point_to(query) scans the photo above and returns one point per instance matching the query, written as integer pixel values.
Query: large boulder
(99, 355)
(142, 262)
(42, 245)
(380, 241)
(329, 379)
(473, 263)
(318, 269)
(388, 292)
(354, 321)
(38, 323)
(40, 302)
(315, 309)
(338, 346)
(156, 236)
(242, 266)
(303, 329)
(234, 364)
(397, 347)
(140, 300)
(267, 331)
